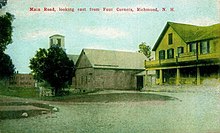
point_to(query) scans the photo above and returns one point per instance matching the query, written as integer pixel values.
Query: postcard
(111, 66)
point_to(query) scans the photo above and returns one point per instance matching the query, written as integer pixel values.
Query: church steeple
(57, 40)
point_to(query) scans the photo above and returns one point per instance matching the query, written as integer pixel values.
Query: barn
(107, 69)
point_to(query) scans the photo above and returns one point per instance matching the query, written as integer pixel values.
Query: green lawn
(111, 97)
(19, 92)
(89, 97)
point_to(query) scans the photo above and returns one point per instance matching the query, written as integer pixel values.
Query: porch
(187, 75)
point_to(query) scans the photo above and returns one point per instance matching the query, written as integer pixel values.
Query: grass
(112, 97)
(88, 97)
(19, 92)
(76, 98)
(32, 93)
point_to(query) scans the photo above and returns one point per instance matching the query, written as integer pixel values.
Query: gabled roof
(74, 58)
(191, 33)
(114, 59)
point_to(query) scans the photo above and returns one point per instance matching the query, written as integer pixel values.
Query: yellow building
(186, 54)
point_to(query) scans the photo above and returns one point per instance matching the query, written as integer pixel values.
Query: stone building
(105, 69)
(186, 54)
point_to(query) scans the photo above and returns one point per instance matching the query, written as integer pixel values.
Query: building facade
(186, 54)
(105, 69)
(22, 80)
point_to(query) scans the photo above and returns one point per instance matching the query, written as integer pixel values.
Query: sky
(112, 30)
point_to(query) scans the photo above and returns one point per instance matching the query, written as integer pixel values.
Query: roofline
(138, 69)
(105, 67)
(80, 56)
(56, 35)
(161, 36)
(111, 50)
(110, 68)
(211, 38)
(168, 24)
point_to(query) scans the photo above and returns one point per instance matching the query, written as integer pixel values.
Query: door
(140, 82)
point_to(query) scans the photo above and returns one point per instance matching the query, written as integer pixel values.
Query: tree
(7, 68)
(53, 66)
(3, 3)
(145, 49)
(6, 30)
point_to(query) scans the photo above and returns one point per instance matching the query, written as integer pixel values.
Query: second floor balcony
(190, 58)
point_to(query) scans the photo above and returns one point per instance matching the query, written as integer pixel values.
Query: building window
(204, 47)
(59, 42)
(180, 50)
(162, 54)
(192, 47)
(170, 38)
(157, 74)
(170, 53)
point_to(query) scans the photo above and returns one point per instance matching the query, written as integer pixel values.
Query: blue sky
(100, 30)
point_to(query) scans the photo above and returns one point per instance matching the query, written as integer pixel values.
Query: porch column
(146, 82)
(177, 76)
(218, 72)
(198, 76)
(161, 77)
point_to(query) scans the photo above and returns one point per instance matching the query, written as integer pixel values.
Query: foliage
(6, 30)
(145, 49)
(7, 68)
(54, 67)
(22, 92)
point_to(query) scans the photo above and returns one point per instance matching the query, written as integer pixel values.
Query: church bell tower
(57, 40)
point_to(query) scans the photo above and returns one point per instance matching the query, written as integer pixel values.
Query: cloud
(107, 47)
(27, 13)
(104, 32)
(40, 33)
(14, 7)
(201, 21)
(218, 6)
(96, 46)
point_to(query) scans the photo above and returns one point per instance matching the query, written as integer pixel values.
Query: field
(167, 112)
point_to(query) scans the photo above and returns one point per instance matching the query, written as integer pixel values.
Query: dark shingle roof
(191, 33)
(115, 59)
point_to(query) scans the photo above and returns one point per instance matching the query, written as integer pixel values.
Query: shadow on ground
(112, 97)
(16, 110)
